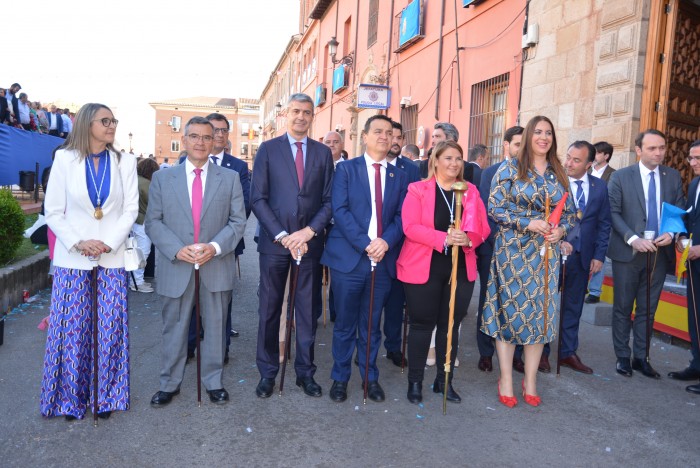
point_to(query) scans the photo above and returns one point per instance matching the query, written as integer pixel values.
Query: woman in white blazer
(90, 205)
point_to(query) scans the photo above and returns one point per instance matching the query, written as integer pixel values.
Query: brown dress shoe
(518, 365)
(544, 364)
(575, 363)
(485, 363)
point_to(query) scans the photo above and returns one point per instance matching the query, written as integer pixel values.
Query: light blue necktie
(580, 196)
(652, 214)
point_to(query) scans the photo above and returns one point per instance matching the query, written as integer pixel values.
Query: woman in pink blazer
(425, 262)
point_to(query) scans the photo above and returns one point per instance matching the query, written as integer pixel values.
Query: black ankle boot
(415, 392)
(439, 387)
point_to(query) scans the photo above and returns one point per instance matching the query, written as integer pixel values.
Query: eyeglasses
(194, 137)
(223, 131)
(107, 121)
(690, 159)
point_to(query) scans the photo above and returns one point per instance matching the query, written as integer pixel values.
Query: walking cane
(290, 318)
(403, 342)
(561, 309)
(369, 326)
(198, 318)
(695, 307)
(238, 264)
(459, 188)
(324, 282)
(95, 367)
(648, 235)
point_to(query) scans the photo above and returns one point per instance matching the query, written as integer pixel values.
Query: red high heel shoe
(509, 401)
(532, 400)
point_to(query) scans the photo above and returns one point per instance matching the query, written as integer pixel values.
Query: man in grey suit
(195, 216)
(636, 195)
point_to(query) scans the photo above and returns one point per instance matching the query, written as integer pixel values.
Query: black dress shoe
(163, 398)
(104, 415)
(339, 391)
(592, 299)
(439, 387)
(395, 357)
(686, 374)
(234, 333)
(690, 389)
(623, 367)
(226, 358)
(219, 396)
(518, 365)
(190, 354)
(544, 364)
(485, 364)
(309, 385)
(646, 369)
(415, 392)
(374, 391)
(265, 387)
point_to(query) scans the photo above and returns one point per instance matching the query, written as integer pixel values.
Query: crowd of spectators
(18, 111)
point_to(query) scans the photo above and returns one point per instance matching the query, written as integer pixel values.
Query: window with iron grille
(487, 121)
(372, 22)
(409, 122)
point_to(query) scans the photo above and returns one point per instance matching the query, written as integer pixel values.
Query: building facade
(458, 61)
(172, 116)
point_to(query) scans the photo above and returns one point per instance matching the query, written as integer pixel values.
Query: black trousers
(428, 306)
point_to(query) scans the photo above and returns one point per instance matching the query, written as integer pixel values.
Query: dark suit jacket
(628, 208)
(4, 112)
(606, 173)
(232, 162)
(484, 190)
(476, 173)
(59, 122)
(352, 212)
(280, 204)
(592, 233)
(409, 167)
(692, 219)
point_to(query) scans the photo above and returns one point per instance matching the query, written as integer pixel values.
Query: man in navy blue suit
(291, 197)
(367, 196)
(393, 310)
(692, 224)
(586, 245)
(511, 146)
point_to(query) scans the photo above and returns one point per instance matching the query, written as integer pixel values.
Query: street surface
(599, 420)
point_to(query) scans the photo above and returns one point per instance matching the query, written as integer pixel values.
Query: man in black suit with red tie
(291, 197)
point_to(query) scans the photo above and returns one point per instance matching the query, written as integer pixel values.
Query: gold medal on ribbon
(579, 214)
(98, 212)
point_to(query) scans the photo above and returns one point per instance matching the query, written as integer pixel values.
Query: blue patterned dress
(514, 307)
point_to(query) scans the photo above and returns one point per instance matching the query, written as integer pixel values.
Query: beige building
(606, 69)
(171, 117)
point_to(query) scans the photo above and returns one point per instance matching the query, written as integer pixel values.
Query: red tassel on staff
(555, 217)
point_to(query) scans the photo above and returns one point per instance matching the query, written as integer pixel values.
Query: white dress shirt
(598, 172)
(220, 157)
(372, 231)
(585, 186)
(189, 171)
(644, 171)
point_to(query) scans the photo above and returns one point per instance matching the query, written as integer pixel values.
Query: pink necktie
(378, 196)
(197, 202)
(299, 163)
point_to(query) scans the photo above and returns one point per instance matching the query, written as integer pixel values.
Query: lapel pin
(391, 174)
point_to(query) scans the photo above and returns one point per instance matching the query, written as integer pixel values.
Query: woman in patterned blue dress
(91, 204)
(514, 310)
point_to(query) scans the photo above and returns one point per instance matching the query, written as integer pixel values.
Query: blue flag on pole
(671, 219)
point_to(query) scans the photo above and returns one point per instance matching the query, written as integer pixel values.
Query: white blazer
(70, 214)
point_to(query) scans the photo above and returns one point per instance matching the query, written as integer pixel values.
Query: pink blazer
(418, 218)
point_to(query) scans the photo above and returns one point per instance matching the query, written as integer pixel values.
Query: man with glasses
(195, 218)
(291, 197)
(692, 224)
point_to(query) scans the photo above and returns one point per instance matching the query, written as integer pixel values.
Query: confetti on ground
(386, 410)
(249, 430)
(691, 403)
(322, 344)
(489, 408)
(421, 405)
(418, 416)
(357, 408)
(241, 381)
(608, 449)
(653, 431)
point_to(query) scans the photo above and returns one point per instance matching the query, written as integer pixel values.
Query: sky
(128, 53)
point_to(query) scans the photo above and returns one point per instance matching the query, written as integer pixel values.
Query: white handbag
(133, 256)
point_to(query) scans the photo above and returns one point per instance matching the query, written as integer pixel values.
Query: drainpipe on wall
(439, 68)
(522, 62)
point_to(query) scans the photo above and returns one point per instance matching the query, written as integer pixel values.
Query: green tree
(11, 226)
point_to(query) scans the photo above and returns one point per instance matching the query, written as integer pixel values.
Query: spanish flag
(681, 267)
